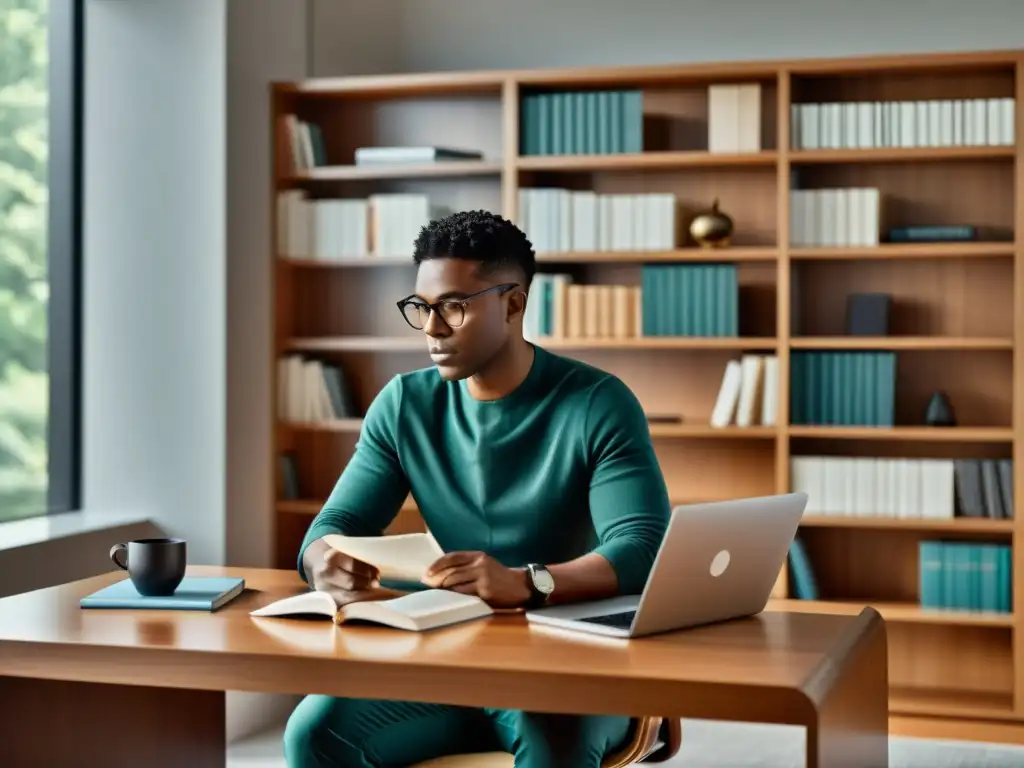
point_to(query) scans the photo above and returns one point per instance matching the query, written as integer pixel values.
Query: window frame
(66, 42)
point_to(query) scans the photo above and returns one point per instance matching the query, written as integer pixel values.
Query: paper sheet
(406, 556)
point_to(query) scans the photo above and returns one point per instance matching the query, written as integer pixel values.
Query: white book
(908, 124)
(606, 220)
(865, 124)
(946, 123)
(810, 126)
(851, 125)
(723, 118)
(994, 121)
(748, 127)
(750, 389)
(728, 395)
(866, 494)
(415, 612)
(1008, 118)
(922, 124)
(958, 123)
(842, 216)
(934, 123)
(770, 393)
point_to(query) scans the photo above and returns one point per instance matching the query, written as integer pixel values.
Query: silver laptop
(717, 561)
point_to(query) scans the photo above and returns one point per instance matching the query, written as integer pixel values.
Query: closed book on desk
(416, 612)
(195, 593)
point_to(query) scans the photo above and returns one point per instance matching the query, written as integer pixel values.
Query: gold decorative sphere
(712, 229)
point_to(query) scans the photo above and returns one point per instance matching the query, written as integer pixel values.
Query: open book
(417, 611)
(404, 557)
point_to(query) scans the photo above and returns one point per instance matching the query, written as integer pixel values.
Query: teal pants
(326, 732)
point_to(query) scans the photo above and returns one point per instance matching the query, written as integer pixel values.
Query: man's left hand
(477, 573)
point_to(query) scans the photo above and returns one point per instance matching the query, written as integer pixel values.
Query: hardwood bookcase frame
(984, 652)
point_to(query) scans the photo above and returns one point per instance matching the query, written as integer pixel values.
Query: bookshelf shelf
(896, 612)
(953, 326)
(956, 525)
(666, 160)
(373, 172)
(897, 343)
(899, 154)
(981, 705)
(906, 251)
(683, 255)
(917, 434)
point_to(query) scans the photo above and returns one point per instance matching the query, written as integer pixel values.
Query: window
(40, 132)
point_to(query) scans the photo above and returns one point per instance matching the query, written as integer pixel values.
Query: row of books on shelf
(312, 390)
(338, 229)
(904, 488)
(581, 122)
(842, 388)
(835, 217)
(952, 576)
(749, 393)
(922, 123)
(604, 122)
(966, 576)
(305, 143)
(562, 220)
(671, 300)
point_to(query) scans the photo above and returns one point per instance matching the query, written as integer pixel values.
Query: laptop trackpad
(592, 608)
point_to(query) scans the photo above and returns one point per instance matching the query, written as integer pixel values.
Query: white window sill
(45, 528)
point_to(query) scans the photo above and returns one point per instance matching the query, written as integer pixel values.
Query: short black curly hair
(497, 243)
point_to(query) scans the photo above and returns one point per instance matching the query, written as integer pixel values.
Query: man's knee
(305, 734)
(557, 741)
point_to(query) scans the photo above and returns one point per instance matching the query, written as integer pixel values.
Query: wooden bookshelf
(955, 323)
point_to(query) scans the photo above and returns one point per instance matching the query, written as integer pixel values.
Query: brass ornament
(712, 229)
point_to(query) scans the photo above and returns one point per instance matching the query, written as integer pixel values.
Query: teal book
(195, 593)
(931, 578)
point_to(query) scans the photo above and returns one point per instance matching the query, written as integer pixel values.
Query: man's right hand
(344, 578)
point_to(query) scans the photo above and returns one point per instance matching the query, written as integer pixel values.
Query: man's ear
(516, 305)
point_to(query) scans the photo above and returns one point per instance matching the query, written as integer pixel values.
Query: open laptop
(717, 561)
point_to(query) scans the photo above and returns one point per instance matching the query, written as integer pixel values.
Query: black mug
(155, 566)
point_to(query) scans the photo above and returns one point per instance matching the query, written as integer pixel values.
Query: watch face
(542, 581)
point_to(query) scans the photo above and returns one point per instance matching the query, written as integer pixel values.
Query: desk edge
(823, 678)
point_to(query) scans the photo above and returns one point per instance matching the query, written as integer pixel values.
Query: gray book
(968, 488)
(1006, 486)
(990, 486)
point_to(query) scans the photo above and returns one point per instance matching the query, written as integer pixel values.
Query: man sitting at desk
(534, 472)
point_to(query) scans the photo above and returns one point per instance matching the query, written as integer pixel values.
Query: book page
(429, 602)
(302, 603)
(405, 556)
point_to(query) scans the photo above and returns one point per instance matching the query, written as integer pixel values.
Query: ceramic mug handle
(114, 551)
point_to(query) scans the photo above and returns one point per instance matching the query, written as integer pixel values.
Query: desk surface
(784, 659)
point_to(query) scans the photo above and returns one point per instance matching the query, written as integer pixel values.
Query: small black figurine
(939, 412)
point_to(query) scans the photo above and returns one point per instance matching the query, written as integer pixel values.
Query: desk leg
(852, 729)
(65, 724)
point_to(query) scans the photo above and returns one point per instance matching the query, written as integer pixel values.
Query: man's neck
(504, 373)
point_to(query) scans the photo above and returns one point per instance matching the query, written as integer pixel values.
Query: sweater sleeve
(372, 487)
(629, 500)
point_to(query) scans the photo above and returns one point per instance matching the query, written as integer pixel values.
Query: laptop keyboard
(621, 620)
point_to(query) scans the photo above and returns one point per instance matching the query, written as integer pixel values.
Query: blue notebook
(195, 593)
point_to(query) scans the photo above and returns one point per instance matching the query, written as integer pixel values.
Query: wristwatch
(540, 583)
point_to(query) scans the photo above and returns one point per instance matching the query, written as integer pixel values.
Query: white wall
(154, 301)
(488, 34)
(178, 298)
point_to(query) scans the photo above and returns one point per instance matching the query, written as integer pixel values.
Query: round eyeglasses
(416, 311)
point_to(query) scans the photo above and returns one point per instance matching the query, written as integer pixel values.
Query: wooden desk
(132, 688)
